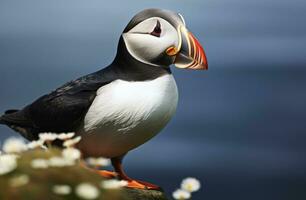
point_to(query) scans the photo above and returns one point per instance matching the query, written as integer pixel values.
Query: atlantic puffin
(125, 104)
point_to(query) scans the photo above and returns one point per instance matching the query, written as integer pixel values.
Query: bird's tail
(16, 120)
(11, 111)
(2, 117)
(1, 120)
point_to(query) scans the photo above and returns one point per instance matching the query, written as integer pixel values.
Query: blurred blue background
(240, 126)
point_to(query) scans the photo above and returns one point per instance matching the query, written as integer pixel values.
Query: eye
(157, 30)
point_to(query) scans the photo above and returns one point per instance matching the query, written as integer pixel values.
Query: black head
(159, 38)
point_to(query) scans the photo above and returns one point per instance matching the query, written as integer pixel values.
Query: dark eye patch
(157, 30)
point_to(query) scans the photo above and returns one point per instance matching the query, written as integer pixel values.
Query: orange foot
(107, 174)
(136, 184)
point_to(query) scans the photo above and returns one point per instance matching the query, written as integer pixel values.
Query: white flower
(190, 184)
(98, 162)
(71, 153)
(47, 136)
(180, 194)
(39, 163)
(8, 163)
(87, 191)
(19, 180)
(57, 161)
(14, 145)
(35, 144)
(113, 184)
(65, 136)
(61, 189)
(72, 142)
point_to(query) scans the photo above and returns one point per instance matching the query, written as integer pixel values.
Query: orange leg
(107, 174)
(103, 173)
(117, 164)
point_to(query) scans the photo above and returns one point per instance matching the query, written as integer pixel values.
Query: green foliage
(41, 181)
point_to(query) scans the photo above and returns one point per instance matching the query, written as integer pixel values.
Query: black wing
(62, 110)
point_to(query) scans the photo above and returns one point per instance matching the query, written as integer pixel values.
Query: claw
(106, 174)
(136, 184)
(103, 173)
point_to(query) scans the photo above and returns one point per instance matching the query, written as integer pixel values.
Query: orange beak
(190, 54)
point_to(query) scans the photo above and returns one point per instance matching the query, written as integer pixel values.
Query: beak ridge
(191, 54)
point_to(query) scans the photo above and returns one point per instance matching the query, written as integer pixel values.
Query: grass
(41, 181)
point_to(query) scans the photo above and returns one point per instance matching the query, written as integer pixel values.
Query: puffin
(124, 104)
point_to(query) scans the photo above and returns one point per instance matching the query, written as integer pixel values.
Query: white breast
(126, 114)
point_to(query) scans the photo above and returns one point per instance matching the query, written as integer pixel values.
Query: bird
(124, 104)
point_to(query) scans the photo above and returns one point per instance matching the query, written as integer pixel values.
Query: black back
(64, 109)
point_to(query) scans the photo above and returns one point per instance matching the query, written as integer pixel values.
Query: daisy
(39, 163)
(71, 154)
(14, 145)
(65, 136)
(36, 144)
(98, 162)
(72, 142)
(113, 184)
(8, 163)
(87, 191)
(19, 180)
(190, 184)
(47, 137)
(61, 189)
(180, 194)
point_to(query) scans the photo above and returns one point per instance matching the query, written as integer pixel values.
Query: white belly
(126, 114)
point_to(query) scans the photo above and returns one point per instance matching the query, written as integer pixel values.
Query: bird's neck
(128, 66)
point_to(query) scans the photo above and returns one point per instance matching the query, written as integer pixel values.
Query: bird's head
(160, 38)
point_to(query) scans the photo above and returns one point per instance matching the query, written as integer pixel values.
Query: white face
(150, 39)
